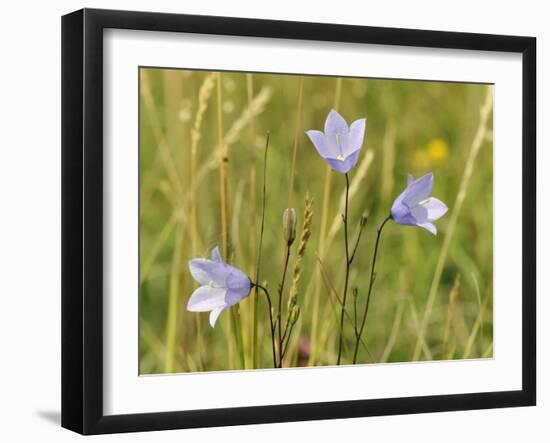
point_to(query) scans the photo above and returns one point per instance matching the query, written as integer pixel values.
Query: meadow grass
(202, 141)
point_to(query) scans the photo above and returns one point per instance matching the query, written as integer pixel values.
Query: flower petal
(215, 314)
(202, 270)
(335, 124)
(336, 165)
(236, 279)
(216, 256)
(419, 190)
(209, 271)
(343, 166)
(399, 200)
(351, 160)
(420, 213)
(234, 296)
(436, 208)
(356, 136)
(341, 143)
(429, 227)
(400, 197)
(401, 214)
(206, 298)
(323, 146)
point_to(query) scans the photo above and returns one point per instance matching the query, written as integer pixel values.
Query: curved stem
(272, 325)
(346, 276)
(361, 227)
(371, 284)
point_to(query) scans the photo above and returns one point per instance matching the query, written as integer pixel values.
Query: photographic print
(292, 221)
(254, 204)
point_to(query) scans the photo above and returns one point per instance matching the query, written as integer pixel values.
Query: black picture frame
(82, 220)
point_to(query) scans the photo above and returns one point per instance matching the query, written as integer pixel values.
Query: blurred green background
(416, 312)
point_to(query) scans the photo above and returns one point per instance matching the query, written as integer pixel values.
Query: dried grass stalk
(255, 108)
(306, 233)
(477, 143)
(205, 92)
(453, 295)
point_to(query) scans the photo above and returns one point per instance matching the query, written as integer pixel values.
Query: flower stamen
(339, 143)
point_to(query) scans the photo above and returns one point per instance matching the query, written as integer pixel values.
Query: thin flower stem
(253, 326)
(272, 325)
(346, 276)
(322, 241)
(371, 284)
(330, 287)
(347, 315)
(332, 290)
(361, 227)
(260, 244)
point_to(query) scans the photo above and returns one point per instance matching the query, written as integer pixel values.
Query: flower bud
(289, 225)
(294, 314)
(291, 302)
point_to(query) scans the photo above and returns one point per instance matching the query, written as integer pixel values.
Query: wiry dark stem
(260, 244)
(371, 284)
(264, 197)
(330, 287)
(346, 276)
(271, 323)
(361, 227)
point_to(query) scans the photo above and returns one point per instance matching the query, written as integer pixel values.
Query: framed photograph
(270, 221)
